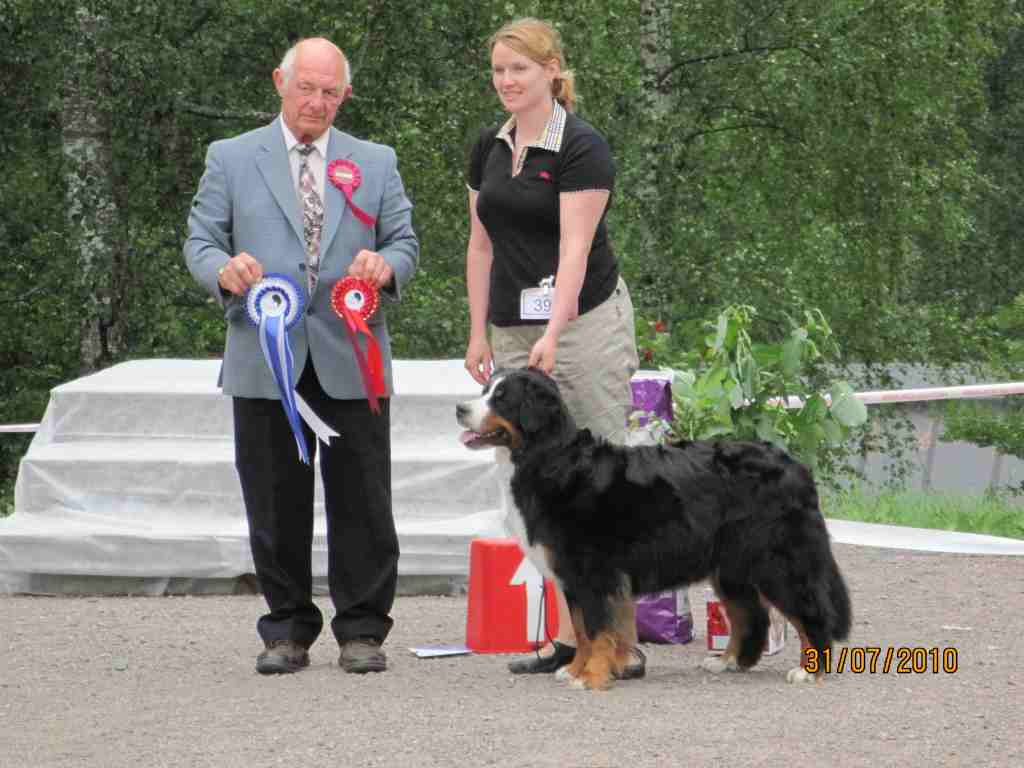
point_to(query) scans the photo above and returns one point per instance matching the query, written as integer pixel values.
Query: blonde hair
(539, 41)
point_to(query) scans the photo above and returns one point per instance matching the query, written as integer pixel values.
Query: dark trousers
(277, 487)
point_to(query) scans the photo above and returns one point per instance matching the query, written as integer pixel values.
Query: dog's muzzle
(474, 416)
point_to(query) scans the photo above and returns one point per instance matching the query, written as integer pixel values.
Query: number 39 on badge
(536, 303)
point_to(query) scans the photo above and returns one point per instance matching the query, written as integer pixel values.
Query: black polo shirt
(521, 211)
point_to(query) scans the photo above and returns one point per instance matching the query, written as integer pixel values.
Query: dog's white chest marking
(515, 526)
(537, 554)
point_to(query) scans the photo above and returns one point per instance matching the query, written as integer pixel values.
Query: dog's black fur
(743, 514)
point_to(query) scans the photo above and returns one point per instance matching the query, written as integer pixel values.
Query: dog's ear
(541, 408)
(535, 415)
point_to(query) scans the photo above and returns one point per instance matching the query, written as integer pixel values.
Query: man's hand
(370, 265)
(240, 273)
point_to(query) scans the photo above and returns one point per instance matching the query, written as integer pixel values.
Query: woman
(540, 272)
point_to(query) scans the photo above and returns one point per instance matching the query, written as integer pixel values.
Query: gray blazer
(247, 201)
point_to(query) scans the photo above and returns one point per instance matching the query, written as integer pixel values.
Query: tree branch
(738, 127)
(197, 24)
(764, 19)
(758, 50)
(758, 114)
(364, 45)
(220, 114)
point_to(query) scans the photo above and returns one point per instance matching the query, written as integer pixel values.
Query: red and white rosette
(346, 176)
(355, 300)
(356, 294)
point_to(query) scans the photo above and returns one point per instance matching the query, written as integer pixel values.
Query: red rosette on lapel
(346, 176)
(355, 300)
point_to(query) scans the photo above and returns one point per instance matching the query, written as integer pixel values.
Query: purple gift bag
(664, 617)
(661, 617)
(653, 395)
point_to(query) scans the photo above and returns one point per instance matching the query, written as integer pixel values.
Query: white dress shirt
(317, 161)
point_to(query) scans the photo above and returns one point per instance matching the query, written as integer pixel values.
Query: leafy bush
(778, 392)
(432, 321)
(999, 427)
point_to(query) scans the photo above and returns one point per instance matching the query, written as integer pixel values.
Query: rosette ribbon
(346, 176)
(355, 300)
(274, 305)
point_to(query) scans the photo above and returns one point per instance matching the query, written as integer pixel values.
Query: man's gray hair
(287, 64)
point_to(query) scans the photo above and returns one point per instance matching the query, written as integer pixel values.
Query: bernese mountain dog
(607, 522)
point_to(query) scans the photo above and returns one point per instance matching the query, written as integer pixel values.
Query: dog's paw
(800, 675)
(576, 683)
(590, 683)
(563, 673)
(719, 664)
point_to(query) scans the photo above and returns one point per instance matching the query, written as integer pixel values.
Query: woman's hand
(542, 356)
(479, 362)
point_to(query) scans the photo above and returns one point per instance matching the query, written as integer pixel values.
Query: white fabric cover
(131, 476)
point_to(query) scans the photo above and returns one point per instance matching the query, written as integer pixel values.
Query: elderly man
(265, 205)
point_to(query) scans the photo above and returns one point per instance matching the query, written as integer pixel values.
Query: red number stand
(504, 600)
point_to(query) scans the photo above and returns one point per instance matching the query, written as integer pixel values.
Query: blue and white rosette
(274, 306)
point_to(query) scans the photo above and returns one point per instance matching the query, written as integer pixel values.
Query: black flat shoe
(636, 668)
(544, 665)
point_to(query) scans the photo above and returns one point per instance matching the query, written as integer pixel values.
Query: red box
(719, 632)
(505, 600)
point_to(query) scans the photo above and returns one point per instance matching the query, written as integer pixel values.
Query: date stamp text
(871, 660)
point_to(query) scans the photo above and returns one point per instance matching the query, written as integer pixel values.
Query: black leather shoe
(637, 666)
(282, 657)
(544, 665)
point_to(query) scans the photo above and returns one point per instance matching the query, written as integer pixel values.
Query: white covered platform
(129, 484)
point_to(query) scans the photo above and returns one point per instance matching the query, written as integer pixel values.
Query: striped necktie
(312, 215)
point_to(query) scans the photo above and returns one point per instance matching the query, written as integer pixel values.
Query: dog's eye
(499, 392)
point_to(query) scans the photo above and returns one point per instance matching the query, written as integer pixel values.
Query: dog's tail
(839, 598)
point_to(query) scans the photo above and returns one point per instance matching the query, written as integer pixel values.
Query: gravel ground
(170, 681)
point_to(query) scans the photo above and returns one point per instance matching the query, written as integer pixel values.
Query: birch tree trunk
(91, 211)
(655, 41)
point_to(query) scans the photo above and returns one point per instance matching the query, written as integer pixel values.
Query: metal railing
(919, 395)
(18, 428)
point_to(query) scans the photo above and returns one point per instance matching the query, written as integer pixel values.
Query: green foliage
(740, 389)
(6, 500)
(428, 324)
(981, 425)
(656, 345)
(862, 158)
(991, 514)
(999, 426)
(821, 155)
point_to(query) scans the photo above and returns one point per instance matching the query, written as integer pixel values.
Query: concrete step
(179, 399)
(193, 481)
(130, 479)
(205, 549)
